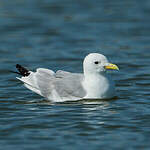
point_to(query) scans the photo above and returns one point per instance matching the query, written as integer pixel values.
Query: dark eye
(96, 62)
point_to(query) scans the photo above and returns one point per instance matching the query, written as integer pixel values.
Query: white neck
(96, 85)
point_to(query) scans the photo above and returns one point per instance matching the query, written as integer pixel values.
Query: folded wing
(57, 86)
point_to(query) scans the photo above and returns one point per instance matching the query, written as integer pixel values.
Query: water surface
(58, 35)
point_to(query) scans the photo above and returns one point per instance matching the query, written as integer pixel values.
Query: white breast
(98, 86)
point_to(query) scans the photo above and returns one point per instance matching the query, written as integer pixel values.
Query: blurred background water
(57, 35)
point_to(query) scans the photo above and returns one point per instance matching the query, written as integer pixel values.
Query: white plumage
(94, 83)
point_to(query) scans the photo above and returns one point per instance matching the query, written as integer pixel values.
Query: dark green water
(57, 35)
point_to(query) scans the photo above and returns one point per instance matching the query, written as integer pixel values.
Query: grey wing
(69, 84)
(60, 85)
(44, 80)
(39, 81)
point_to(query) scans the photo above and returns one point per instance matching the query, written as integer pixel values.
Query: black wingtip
(22, 71)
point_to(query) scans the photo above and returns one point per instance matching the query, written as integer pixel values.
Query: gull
(59, 86)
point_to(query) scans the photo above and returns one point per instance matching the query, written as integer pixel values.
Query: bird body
(94, 83)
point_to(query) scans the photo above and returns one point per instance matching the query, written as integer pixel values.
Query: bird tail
(22, 71)
(27, 78)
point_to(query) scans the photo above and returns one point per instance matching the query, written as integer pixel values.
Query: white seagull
(61, 86)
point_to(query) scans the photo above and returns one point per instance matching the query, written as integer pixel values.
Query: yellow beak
(111, 66)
